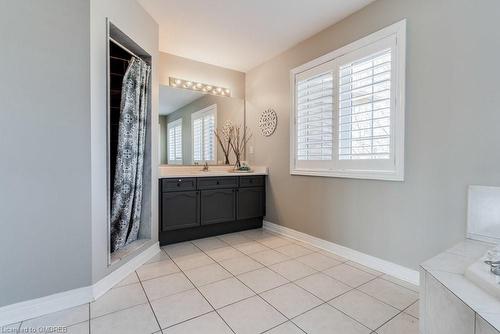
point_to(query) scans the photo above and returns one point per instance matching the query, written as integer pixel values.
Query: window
(348, 110)
(174, 133)
(203, 124)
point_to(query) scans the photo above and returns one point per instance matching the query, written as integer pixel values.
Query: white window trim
(399, 31)
(212, 108)
(170, 125)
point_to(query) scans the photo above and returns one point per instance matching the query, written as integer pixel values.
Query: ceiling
(241, 34)
(172, 99)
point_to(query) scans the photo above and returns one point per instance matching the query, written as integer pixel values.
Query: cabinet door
(250, 203)
(218, 206)
(180, 210)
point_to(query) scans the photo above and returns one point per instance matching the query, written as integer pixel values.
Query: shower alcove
(120, 50)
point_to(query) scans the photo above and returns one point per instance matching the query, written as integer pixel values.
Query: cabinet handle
(217, 182)
(178, 184)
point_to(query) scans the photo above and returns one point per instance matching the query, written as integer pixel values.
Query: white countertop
(167, 171)
(449, 268)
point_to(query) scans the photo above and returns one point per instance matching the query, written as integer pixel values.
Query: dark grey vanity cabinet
(192, 208)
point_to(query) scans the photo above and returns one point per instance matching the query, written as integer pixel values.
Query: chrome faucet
(205, 167)
(494, 267)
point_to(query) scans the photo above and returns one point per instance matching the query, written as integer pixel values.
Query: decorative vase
(237, 164)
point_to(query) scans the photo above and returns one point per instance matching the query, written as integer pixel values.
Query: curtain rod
(124, 48)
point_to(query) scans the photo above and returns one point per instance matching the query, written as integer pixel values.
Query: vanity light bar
(198, 86)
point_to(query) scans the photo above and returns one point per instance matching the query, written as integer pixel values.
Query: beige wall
(179, 67)
(452, 137)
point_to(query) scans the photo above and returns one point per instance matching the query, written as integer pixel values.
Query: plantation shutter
(174, 133)
(209, 137)
(365, 107)
(203, 129)
(197, 139)
(314, 99)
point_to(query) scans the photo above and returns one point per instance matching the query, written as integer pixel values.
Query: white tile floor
(245, 283)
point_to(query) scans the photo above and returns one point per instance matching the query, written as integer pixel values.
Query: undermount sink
(480, 274)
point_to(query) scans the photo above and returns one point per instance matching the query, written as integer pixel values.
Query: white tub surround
(167, 171)
(450, 302)
(480, 273)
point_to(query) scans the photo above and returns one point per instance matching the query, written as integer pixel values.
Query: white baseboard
(386, 267)
(109, 281)
(36, 307)
(59, 301)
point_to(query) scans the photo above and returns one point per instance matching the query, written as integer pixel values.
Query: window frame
(337, 167)
(171, 126)
(200, 114)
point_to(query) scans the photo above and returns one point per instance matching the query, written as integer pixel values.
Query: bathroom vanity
(196, 204)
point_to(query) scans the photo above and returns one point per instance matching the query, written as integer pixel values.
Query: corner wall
(45, 238)
(452, 137)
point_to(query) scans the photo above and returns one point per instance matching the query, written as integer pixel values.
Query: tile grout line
(411, 306)
(327, 302)
(288, 281)
(270, 329)
(90, 324)
(149, 303)
(259, 294)
(139, 281)
(204, 295)
(320, 250)
(293, 282)
(384, 302)
(194, 287)
(388, 320)
(256, 295)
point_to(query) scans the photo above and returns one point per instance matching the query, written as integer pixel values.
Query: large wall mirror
(188, 120)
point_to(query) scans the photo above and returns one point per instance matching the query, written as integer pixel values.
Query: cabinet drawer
(168, 185)
(217, 182)
(252, 181)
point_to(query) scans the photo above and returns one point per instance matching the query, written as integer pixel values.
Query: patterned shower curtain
(127, 190)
